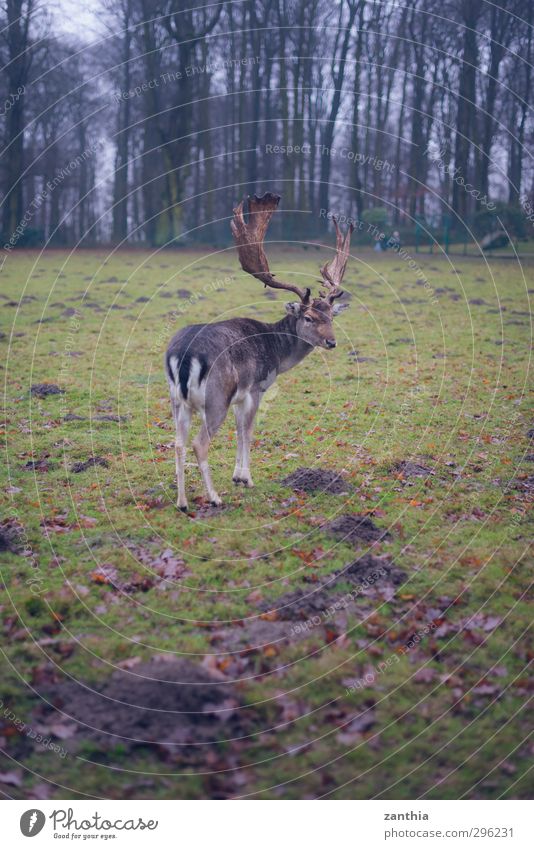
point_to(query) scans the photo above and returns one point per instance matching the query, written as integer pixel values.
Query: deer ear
(293, 308)
(339, 308)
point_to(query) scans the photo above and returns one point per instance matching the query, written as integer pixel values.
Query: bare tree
(466, 126)
(16, 35)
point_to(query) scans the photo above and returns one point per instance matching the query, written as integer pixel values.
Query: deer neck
(291, 349)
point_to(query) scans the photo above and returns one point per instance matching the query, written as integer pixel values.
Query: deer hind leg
(212, 419)
(245, 411)
(182, 423)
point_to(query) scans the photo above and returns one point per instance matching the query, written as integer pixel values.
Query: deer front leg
(245, 412)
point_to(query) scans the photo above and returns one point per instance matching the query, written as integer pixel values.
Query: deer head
(313, 316)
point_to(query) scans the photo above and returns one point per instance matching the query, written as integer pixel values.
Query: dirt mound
(300, 604)
(408, 469)
(42, 465)
(366, 571)
(354, 528)
(10, 533)
(83, 465)
(317, 480)
(155, 703)
(371, 570)
(41, 390)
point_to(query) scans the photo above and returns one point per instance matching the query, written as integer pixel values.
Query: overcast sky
(78, 17)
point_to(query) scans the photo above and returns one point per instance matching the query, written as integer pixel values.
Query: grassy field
(313, 663)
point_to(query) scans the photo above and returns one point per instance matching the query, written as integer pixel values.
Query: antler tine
(249, 238)
(332, 272)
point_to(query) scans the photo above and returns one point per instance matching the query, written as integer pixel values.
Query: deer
(231, 363)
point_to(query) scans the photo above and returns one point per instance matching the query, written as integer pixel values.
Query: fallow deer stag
(211, 367)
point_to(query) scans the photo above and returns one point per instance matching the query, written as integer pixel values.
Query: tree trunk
(329, 130)
(19, 15)
(120, 187)
(465, 121)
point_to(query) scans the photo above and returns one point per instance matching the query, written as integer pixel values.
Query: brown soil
(41, 390)
(317, 480)
(9, 536)
(307, 603)
(369, 568)
(354, 528)
(166, 704)
(83, 465)
(41, 465)
(300, 604)
(408, 469)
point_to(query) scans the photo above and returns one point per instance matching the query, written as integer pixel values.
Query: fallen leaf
(105, 574)
(14, 778)
(270, 651)
(63, 731)
(424, 675)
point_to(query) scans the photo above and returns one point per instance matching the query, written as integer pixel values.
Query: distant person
(394, 241)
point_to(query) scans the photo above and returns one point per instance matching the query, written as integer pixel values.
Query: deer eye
(307, 319)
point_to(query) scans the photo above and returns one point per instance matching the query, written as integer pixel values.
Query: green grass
(445, 383)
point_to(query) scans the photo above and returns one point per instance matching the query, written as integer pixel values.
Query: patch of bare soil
(162, 704)
(366, 572)
(408, 469)
(300, 604)
(525, 484)
(43, 464)
(354, 527)
(317, 480)
(83, 465)
(41, 390)
(10, 536)
(372, 570)
(325, 611)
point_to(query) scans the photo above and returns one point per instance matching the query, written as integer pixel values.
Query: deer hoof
(245, 481)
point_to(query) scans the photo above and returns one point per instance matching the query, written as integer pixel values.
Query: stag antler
(332, 272)
(249, 241)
